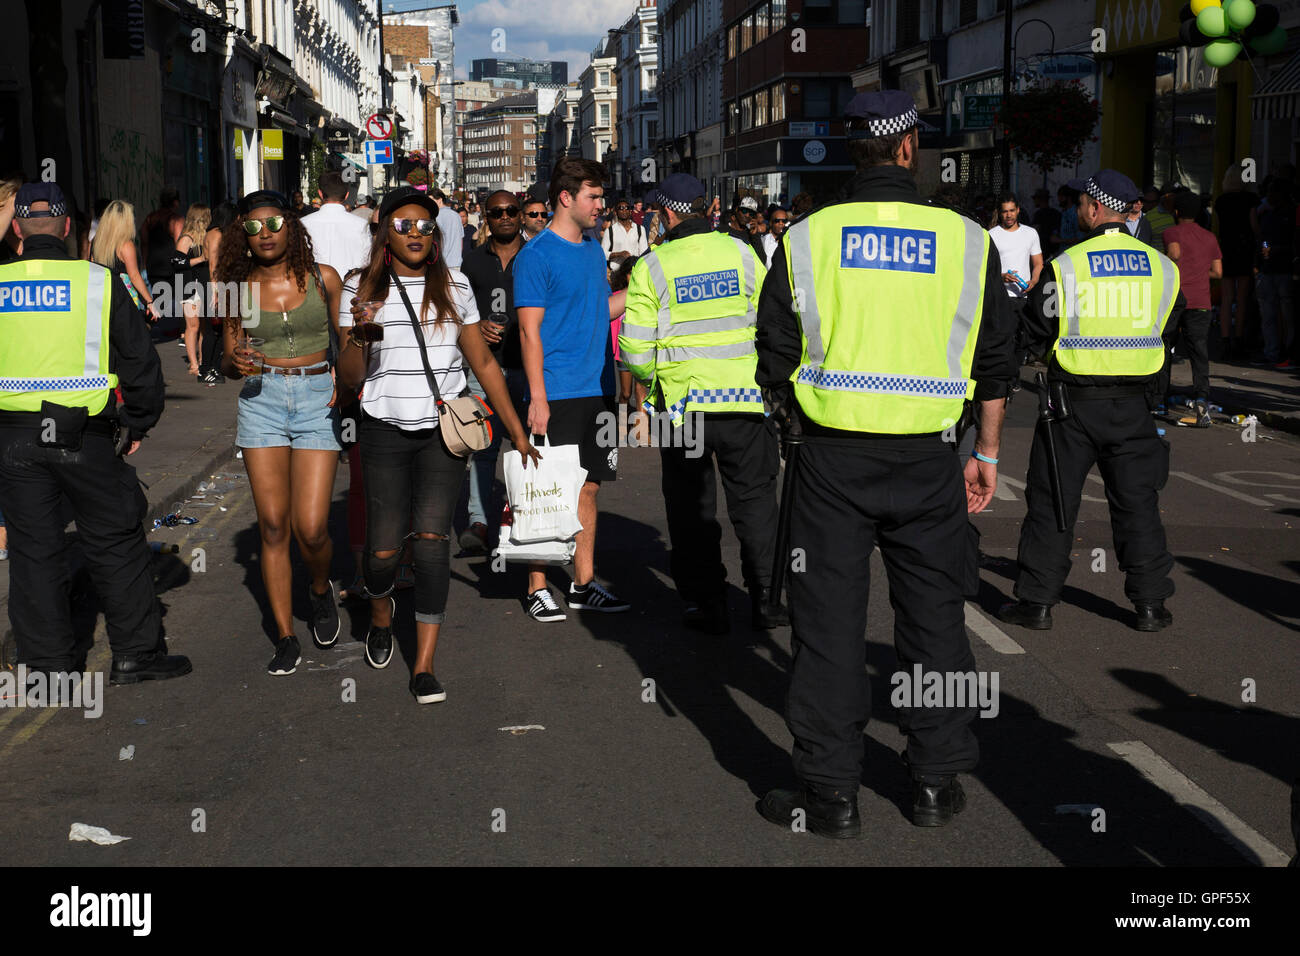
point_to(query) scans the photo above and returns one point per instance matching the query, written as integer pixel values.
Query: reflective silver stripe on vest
(661, 290)
(65, 383)
(920, 385)
(1065, 295)
(1168, 273)
(969, 300)
(728, 323)
(95, 292)
(1110, 342)
(638, 332)
(799, 237)
(735, 350)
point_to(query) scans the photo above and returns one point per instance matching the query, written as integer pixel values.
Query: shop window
(778, 103)
(818, 12)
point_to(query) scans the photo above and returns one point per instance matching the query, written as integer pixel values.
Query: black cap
(1112, 189)
(882, 113)
(50, 193)
(677, 192)
(264, 197)
(407, 196)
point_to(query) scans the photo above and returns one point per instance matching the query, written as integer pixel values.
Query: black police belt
(36, 421)
(1084, 393)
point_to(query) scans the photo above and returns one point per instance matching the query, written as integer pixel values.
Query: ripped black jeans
(412, 483)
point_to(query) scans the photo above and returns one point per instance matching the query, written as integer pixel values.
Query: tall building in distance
(596, 127)
(501, 144)
(689, 90)
(534, 72)
(439, 65)
(472, 95)
(636, 76)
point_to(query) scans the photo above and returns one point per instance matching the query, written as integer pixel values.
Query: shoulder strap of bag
(419, 337)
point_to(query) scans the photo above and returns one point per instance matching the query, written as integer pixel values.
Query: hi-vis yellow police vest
(689, 326)
(1115, 294)
(54, 318)
(889, 297)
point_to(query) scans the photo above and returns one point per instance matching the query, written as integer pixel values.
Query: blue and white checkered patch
(52, 384)
(713, 396)
(895, 384)
(1109, 342)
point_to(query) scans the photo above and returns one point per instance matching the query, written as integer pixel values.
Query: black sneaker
(542, 607)
(593, 597)
(379, 643)
(426, 689)
(324, 617)
(288, 655)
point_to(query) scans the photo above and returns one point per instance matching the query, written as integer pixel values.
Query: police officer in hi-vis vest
(887, 318)
(69, 335)
(688, 335)
(1103, 321)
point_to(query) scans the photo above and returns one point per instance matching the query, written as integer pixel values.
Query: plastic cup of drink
(370, 329)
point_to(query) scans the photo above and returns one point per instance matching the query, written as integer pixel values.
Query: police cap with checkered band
(1112, 189)
(881, 113)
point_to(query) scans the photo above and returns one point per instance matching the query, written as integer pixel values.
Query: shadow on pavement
(1273, 598)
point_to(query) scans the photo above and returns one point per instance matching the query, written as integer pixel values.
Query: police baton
(1049, 445)
(793, 441)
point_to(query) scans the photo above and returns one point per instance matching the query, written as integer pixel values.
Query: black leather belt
(36, 421)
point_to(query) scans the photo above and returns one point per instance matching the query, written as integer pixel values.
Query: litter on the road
(127, 752)
(522, 728)
(85, 833)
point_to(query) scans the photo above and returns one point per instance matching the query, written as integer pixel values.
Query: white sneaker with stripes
(542, 607)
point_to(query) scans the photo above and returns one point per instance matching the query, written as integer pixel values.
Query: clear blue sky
(538, 29)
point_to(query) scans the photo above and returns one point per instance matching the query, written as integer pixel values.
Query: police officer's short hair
(878, 150)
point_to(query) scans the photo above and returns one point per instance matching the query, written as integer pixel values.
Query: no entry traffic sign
(379, 126)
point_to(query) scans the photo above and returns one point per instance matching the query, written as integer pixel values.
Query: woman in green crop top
(288, 423)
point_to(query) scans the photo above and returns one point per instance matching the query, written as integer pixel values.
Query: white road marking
(989, 632)
(1001, 493)
(1249, 499)
(1214, 814)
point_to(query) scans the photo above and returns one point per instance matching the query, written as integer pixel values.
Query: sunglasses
(496, 212)
(403, 227)
(780, 222)
(535, 215)
(253, 226)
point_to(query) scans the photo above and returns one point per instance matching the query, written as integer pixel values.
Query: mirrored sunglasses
(403, 227)
(253, 226)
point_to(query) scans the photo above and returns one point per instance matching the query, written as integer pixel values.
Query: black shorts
(592, 425)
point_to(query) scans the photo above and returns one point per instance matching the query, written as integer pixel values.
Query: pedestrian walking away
(565, 307)
(1196, 252)
(288, 423)
(688, 337)
(1104, 354)
(62, 433)
(412, 479)
(883, 326)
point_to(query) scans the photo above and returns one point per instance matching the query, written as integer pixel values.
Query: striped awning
(1279, 96)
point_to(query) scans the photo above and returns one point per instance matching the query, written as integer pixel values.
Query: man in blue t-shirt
(563, 301)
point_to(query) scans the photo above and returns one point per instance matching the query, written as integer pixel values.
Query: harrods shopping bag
(544, 498)
(537, 552)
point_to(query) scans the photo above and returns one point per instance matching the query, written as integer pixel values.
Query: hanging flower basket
(1050, 124)
(418, 177)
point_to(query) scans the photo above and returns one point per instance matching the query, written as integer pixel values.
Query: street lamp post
(1008, 57)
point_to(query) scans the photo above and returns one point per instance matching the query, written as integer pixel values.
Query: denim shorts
(288, 410)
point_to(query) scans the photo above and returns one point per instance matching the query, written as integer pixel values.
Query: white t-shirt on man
(338, 238)
(1015, 246)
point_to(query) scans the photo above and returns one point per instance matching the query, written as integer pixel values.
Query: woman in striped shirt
(411, 481)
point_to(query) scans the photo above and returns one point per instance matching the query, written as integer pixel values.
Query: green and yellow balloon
(1226, 27)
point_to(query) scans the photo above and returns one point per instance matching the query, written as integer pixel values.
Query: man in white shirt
(1019, 249)
(624, 238)
(453, 233)
(338, 238)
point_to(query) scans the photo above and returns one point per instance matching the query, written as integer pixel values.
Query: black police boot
(1152, 617)
(765, 618)
(827, 812)
(1036, 617)
(935, 804)
(709, 616)
(132, 670)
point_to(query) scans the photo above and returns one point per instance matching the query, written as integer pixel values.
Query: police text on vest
(1119, 262)
(882, 247)
(707, 285)
(36, 295)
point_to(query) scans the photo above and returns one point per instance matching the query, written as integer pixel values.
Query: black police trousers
(907, 496)
(745, 447)
(1118, 435)
(109, 508)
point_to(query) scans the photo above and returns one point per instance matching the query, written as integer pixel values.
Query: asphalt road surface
(650, 744)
